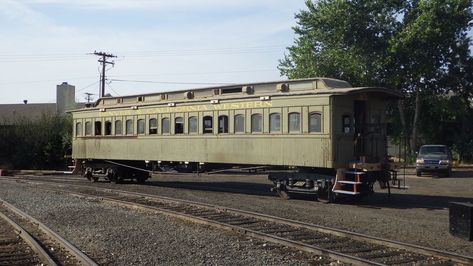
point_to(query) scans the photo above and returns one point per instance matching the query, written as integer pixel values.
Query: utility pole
(88, 96)
(104, 62)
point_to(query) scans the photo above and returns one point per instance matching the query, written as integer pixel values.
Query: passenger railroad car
(310, 128)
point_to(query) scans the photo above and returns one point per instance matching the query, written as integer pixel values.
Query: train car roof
(327, 86)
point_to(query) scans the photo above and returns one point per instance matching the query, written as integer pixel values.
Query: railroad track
(335, 244)
(26, 241)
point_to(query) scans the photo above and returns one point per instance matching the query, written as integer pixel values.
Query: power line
(88, 86)
(56, 57)
(172, 82)
(110, 87)
(198, 73)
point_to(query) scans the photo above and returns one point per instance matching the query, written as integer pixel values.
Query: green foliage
(419, 47)
(343, 39)
(36, 145)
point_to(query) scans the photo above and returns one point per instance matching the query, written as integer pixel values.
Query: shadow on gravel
(375, 201)
(407, 201)
(231, 187)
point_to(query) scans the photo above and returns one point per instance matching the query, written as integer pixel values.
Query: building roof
(10, 113)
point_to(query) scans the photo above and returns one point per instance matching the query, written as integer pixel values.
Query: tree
(40, 144)
(404, 45)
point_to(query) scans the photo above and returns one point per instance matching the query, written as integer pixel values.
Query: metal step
(345, 192)
(349, 182)
(354, 172)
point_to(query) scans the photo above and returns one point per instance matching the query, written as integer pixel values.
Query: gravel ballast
(417, 215)
(119, 236)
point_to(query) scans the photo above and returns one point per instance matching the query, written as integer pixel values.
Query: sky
(160, 44)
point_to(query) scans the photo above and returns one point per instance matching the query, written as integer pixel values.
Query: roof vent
(248, 89)
(189, 95)
(282, 87)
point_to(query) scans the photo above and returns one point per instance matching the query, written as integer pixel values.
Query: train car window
(179, 125)
(346, 124)
(208, 125)
(223, 124)
(78, 129)
(108, 128)
(275, 122)
(165, 125)
(294, 122)
(140, 126)
(256, 123)
(118, 127)
(88, 128)
(232, 90)
(193, 124)
(239, 123)
(315, 122)
(98, 128)
(375, 120)
(129, 127)
(153, 126)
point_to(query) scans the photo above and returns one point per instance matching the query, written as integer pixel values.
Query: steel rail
(270, 238)
(79, 255)
(458, 258)
(35, 246)
(323, 229)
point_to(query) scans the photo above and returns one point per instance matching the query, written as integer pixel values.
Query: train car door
(359, 128)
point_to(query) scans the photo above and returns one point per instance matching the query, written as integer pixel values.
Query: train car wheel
(88, 173)
(325, 195)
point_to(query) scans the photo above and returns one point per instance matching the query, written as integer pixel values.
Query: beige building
(65, 100)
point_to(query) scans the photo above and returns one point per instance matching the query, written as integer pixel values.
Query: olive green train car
(315, 125)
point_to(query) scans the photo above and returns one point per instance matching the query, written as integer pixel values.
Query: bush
(38, 144)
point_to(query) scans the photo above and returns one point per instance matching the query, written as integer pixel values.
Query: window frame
(271, 124)
(166, 125)
(140, 122)
(181, 131)
(78, 129)
(88, 128)
(189, 124)
(260, 116)
(345, 125)
(153, 129)
(98, 128)
(129, 124)
(225, 124)
(107, 128)
(289, 115)
(205, 130)
(235, 117)
(320, 122)
(118, 122)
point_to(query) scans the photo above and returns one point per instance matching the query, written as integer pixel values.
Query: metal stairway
(349, 181)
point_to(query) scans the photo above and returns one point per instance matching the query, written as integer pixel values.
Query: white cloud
(64, 45)
(160, 4)
(21, 13)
